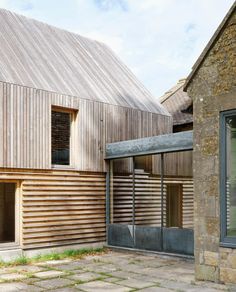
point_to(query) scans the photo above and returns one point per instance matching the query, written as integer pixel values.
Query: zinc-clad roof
(177, 102)
(38, 55)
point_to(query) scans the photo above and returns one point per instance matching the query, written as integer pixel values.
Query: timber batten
(148, 199)
(60, 208)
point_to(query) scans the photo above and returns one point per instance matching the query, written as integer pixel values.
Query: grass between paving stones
(67, 254)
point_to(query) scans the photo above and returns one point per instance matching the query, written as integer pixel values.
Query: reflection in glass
(231, 175)
(121, 191)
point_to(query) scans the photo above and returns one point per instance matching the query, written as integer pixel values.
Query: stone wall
(212, 89)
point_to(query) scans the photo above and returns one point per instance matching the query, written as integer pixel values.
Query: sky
(159, 40)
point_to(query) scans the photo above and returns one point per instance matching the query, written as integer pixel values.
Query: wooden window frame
(73, 137)
(18, 217)
(225, 240)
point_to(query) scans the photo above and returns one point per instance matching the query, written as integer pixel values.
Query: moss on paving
(67, 254)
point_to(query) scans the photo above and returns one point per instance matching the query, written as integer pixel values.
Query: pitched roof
(177, 102)
(210, 44)
(38, 55)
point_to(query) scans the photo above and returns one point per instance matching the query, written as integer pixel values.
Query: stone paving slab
(178, 285)
(70, 267)
(54, 283)
(49, 274)
(123, 274)
(135, 283)
(203, 284)
(85, 277)
(28, 268)
(148, 278)
(13, 287)
(100, 286)
(112, 280)
(66, 289)
(203, 290)
(12, 277)
(105, 268)
(156, 289)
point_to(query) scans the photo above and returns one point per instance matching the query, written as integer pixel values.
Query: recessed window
(228, 177)
(144, 163)
(61, 138)
(174, 203)
(7, 212)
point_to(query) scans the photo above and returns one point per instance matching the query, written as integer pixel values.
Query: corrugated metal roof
(41, 56)
(176, 101)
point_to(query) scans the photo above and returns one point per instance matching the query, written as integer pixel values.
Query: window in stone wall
(61, 136)
(228, 177)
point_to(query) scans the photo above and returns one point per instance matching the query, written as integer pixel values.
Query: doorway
(7, 212)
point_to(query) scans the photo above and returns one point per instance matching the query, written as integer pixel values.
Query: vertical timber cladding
(25, 125)
(60, 207)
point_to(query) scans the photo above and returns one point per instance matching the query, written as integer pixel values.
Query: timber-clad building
(62, 98)
(88, 156)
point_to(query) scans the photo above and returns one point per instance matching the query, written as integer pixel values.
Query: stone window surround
(225, 241)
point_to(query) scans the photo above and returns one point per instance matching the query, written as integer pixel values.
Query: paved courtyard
(113, 271)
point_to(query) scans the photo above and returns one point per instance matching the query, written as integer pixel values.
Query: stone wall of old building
(213, 89)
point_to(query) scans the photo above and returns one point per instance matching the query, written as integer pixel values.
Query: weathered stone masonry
(213, 89)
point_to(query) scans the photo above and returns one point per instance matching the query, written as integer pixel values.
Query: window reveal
(61, 137)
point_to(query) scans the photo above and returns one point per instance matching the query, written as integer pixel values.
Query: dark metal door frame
(167, 239)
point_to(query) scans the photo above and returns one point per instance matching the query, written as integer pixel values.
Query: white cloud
(158, 39)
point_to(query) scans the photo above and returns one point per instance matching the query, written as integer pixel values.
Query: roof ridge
(51, 25)
(54, 59)
(170, 92)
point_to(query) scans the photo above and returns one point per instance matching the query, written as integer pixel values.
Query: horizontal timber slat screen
(148, 199)
(60, 207)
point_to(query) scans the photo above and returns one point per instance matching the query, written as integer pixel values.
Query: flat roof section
(174, 142)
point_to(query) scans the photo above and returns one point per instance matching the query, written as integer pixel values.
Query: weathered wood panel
(25, 127)
(60, 207)
(175, 164)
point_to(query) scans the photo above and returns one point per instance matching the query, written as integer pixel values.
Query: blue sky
(159, 40)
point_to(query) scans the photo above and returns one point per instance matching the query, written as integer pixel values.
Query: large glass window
(228, 177)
